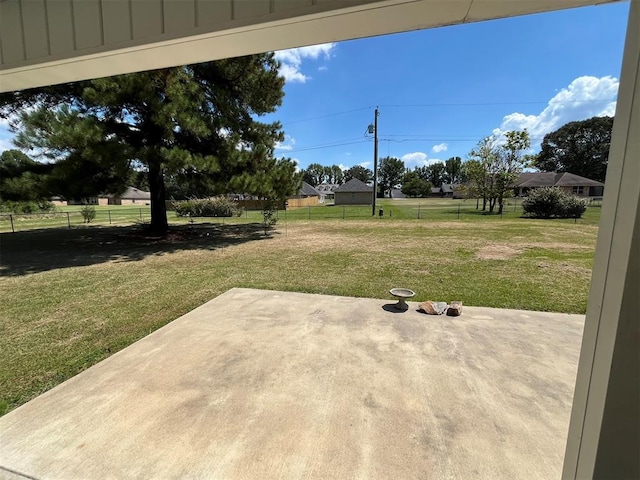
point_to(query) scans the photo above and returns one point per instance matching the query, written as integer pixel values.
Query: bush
(207, 207)
(547, 202)
(43, 206)
(573, 206)
(88, 213)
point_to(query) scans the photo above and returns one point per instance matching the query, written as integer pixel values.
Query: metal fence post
(343, 212)
(12, 228)
(68, 221)
(140, 214)
(418, 211)
(309, 212)
(109, 212)
(458, 212)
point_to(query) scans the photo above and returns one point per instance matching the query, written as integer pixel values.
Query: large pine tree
(196, 120)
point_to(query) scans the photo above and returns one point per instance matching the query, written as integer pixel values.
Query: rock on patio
(261, 384)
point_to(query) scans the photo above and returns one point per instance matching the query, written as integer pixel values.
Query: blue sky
(441, 90)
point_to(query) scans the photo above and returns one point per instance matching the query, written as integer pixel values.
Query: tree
(434, 173)
(313, 174)
(493, 167)
(511, 160)
(197, 119)
(453, 172)
(337, 175)
(332, 175)
(390, 173)
(414, 186)
(477, 178)
(22, 179)
(358, 171)
(581, 148)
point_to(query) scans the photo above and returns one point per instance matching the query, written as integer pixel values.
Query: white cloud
(297, 162)
(365, 164)
(292, 74)
(585, 97)
(419, 158)
(323, 68)
(292, 60)
(441, 147)
(343, 167)
(287, 145)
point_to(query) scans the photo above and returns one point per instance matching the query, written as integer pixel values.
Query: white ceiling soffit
(283, 24)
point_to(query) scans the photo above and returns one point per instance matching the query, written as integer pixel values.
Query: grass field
(432, 209)
(71, 297)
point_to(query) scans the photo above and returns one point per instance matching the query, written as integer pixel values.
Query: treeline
(492, 166)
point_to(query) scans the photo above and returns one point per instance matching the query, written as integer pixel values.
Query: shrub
(88, 213)
(547, 202)
(573, 206)
(269, 217)
(207, 207)
(42, 206)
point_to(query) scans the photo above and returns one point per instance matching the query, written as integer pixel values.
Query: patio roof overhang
(44, 42)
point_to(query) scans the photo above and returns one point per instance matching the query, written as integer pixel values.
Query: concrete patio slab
(260, 384)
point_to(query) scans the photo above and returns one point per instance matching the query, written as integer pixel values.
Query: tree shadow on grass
(50, 249)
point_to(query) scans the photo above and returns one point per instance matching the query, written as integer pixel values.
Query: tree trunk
(484, 203)
(158, 206)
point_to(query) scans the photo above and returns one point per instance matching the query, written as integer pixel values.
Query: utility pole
(375, 162)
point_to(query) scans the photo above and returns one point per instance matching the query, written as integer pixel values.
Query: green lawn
(71, 297)
(431, 209)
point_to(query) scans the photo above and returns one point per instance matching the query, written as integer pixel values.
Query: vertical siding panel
(60, 26)
(11, 32)
(212, 13)
(35, 28)
(280, 6)
(87, 21)
(179, 15)
(246, 9)
(117, 24)
(147, 18)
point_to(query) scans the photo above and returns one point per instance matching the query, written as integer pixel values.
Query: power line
(452, 104)
(328, 115)
(329, 145)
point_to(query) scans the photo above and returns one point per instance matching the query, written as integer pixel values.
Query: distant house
(307, 191)
(447, 190)
(326, 191)
(568, 182)
(131, 196)
(354, 192)
(397, 193)
(307, 196)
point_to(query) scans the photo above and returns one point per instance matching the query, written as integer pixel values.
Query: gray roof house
(131, 196)
(354, 192)
(326, 191)
(445, 190)
(566, 181)
(307, 190)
